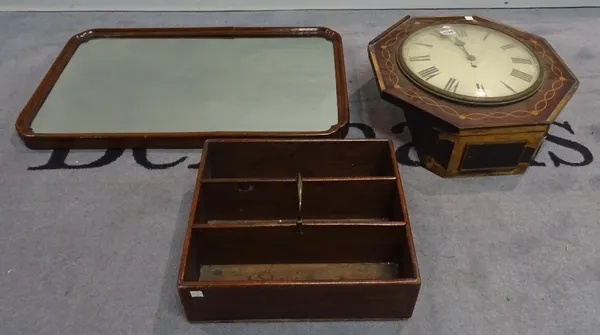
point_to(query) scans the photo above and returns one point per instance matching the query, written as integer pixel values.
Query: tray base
(298, 272)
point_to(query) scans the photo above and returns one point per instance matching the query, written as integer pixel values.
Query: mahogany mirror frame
(35, 140)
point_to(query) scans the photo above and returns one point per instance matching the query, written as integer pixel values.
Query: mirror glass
(146, 85)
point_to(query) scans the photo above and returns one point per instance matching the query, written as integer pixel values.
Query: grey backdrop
(95, 250)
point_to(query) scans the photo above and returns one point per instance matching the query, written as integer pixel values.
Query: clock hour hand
(461, 45)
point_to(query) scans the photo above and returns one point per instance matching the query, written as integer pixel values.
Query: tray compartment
(313, 244)
(264, 201)
(285, 159)
(327, 271)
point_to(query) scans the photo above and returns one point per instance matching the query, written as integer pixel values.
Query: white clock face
(470, 63)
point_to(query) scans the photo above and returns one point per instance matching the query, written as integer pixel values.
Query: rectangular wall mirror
(175, 87)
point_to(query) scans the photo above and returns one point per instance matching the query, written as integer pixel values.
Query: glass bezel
(466, 99)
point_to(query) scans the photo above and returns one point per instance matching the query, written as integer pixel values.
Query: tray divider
(264, 201)
(293, 180)
(292, 223)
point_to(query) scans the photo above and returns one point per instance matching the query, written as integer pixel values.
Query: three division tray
(176, 87)
(298, 229)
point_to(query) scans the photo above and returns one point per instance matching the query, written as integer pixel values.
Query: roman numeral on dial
(452, 85)
(481, 90)
(420, 58)
(521, 75)
(461, 32)
(518, 60)
(429, 72)
(507, 46)
(425, 45)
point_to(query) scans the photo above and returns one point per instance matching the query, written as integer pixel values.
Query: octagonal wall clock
(478, 96)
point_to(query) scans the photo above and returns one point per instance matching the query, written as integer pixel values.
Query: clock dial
(470, 63)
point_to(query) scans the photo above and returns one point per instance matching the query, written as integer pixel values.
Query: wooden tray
(176, 87)
(256, 249)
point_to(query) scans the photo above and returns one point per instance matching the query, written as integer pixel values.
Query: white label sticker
(448, 32)
(469, 18)
(197, 294)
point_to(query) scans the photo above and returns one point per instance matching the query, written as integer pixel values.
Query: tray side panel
(296, 302)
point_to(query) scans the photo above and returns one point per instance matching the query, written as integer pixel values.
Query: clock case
(246, 257)
(455, 139)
